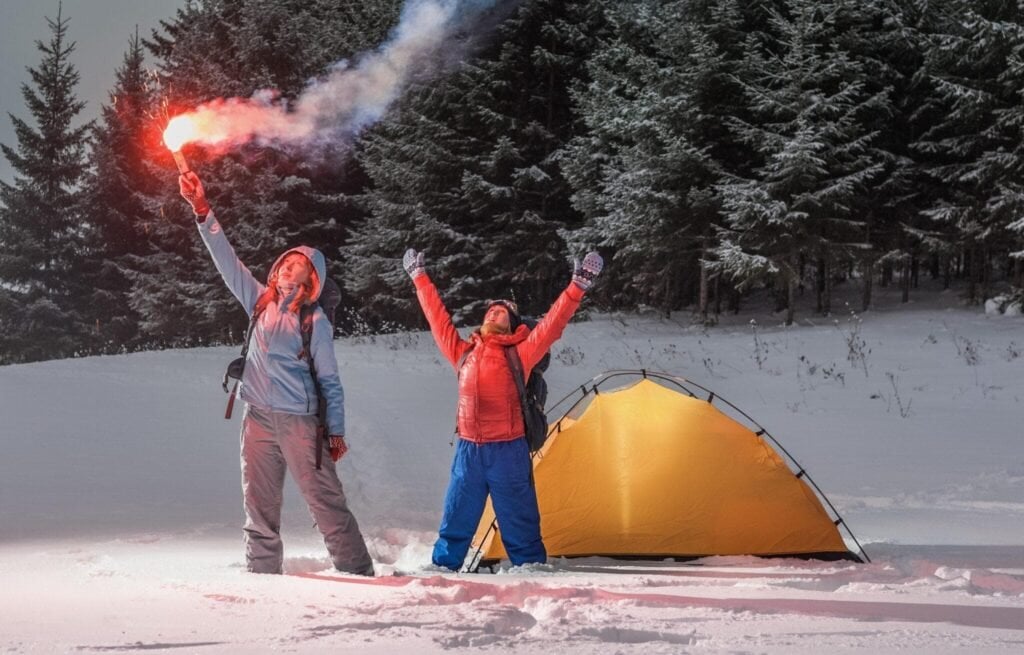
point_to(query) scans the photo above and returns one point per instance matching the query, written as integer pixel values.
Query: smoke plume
(352, 95)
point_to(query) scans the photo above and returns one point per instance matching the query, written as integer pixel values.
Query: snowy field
(120, 507)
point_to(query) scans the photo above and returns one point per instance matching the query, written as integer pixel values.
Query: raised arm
(452, 345)
(550, 328)
(242, 283)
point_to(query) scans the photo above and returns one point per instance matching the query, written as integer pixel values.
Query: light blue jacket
(275, 378)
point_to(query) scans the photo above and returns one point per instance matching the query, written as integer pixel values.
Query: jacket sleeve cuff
(422, 281)
(207, 221)
(575, 292)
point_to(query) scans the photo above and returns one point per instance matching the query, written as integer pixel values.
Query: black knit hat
(513, 312)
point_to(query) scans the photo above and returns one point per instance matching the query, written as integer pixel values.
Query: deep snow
(120, 504)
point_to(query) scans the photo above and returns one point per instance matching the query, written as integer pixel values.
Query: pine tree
(287, 42)
(969, 147)
(885, 38)
(117, 187)
(813, 129)
(40, 213)
(660, 95)
(415, 161)
(999, 175)
(466, 170)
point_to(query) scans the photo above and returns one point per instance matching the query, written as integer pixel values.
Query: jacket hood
(512, 339)
(319, 265)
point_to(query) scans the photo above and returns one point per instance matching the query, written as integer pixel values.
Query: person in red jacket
(492, 456)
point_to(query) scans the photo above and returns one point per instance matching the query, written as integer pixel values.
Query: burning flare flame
(181, 130)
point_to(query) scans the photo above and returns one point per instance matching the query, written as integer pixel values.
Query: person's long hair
(305, 294)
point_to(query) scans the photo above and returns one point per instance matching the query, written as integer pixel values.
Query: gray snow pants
(271, 443)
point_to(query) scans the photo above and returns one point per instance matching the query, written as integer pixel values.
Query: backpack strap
(306, 314)
(256, 313)
(306, 329)
(519, 376)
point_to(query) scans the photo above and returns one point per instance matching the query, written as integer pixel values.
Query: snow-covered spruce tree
(972, 147)
(41, 242)
(173, 286)
(655, 107)
(465, 171)
(516, 192)
(267, 198)
(813, 131)
(288, 42)
(883, 38)
(1000, 173)
(415, 161)
(120, 180)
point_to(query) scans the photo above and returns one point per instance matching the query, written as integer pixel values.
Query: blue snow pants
(502, 469)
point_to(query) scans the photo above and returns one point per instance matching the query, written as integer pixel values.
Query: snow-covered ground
(120, 507)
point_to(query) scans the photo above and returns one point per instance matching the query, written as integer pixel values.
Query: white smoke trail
(348, 98)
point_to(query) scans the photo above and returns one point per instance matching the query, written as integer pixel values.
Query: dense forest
(709, 149)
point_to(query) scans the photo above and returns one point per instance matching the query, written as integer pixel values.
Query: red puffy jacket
(488, 400)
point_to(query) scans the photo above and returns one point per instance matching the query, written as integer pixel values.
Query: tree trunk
(869, 278)
(718, 294)
(1018, 272)
(791, 300)
(802, 269)
(986, 272)
(827, 295)
(905, 279)
(735, 296)
(886, 274)
(819, 286)
(666, 299)
(702, 303)
(792, 281)
(972, 286)
(947, 272)
(781, 292)
(915, 271)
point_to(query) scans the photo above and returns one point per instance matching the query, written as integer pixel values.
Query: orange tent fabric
(648, 471)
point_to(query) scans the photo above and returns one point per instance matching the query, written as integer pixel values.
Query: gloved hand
(584, 274)
(336, 442)
(192, 191)
(414, 263)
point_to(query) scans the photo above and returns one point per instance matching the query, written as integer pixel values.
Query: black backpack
(533, 395)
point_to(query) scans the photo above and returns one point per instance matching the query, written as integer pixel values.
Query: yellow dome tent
(655, 469)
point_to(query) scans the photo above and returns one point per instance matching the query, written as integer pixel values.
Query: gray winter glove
(584, 274)
(414, 263)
